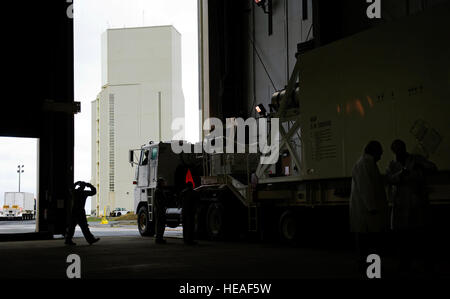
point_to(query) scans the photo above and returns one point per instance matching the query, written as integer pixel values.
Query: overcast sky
(91, 19)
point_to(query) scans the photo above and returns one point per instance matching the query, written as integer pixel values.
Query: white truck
(19, 205)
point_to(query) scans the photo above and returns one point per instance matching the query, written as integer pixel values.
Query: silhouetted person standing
(160, 211)
(406, 176)
(189, 204)
(77, 214)
(368, 205)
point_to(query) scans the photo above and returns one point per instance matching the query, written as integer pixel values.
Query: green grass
(94, 219)
(130, 216)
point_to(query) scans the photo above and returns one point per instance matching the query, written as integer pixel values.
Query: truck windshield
(144, 158)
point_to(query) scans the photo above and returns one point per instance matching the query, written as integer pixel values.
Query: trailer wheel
(215, 221)
(146, 228)
(287, 227)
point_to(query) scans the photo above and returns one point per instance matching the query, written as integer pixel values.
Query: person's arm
(366, 178)
(394, 177)
(416, 169)
(427, 166)
(93, 190)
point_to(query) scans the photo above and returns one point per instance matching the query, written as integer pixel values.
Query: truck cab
(153, 161)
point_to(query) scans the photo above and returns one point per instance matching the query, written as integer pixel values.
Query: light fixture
(266, 5)
(261, 109)
(260, 3)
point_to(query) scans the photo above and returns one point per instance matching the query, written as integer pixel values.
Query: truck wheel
(287, 227)
(215, 221)
(146, 228)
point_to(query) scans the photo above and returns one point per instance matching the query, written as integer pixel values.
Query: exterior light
(261, 110)
(266, 5)
(260, 3)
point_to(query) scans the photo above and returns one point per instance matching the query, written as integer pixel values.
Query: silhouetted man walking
(77, 214)
(190, 201)
(160, 211)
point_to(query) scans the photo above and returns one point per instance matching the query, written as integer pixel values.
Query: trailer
(19, 206)
(389, 82)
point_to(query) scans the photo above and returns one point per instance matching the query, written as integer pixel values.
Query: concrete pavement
(114, 228)
(136, 257)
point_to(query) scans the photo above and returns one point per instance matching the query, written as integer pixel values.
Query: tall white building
(141, 95)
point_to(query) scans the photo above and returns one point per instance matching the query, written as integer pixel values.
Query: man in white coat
(368, 204)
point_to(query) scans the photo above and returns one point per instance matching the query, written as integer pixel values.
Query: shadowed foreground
(136, 257)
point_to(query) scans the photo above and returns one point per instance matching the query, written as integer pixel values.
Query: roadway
(112, 229)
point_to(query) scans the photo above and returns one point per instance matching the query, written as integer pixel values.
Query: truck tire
(287, 227)
(146, 228)
(215, 221)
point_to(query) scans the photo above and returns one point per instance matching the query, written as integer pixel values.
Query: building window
(111, 143)
(154, 153)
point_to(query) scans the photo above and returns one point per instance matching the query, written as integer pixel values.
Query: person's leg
(417, 250)
(82, 222)
(375, 244)
(160, 226)
(432, 252)
(361, 252)
(422, 242)
(184, 224)
(70, 231)
(404, 250)
(189, 236)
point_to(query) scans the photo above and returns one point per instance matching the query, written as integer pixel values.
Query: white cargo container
(19, 205)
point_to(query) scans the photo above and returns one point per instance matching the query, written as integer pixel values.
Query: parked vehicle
(19, 205)
(380, 84)
(119, 212)
(157, 160)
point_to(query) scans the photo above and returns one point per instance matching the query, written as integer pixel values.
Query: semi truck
(389, 82)
(19, 205)
(157, 160)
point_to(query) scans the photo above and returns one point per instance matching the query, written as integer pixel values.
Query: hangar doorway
(18, 185)
(42, 107)
(123, 109)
